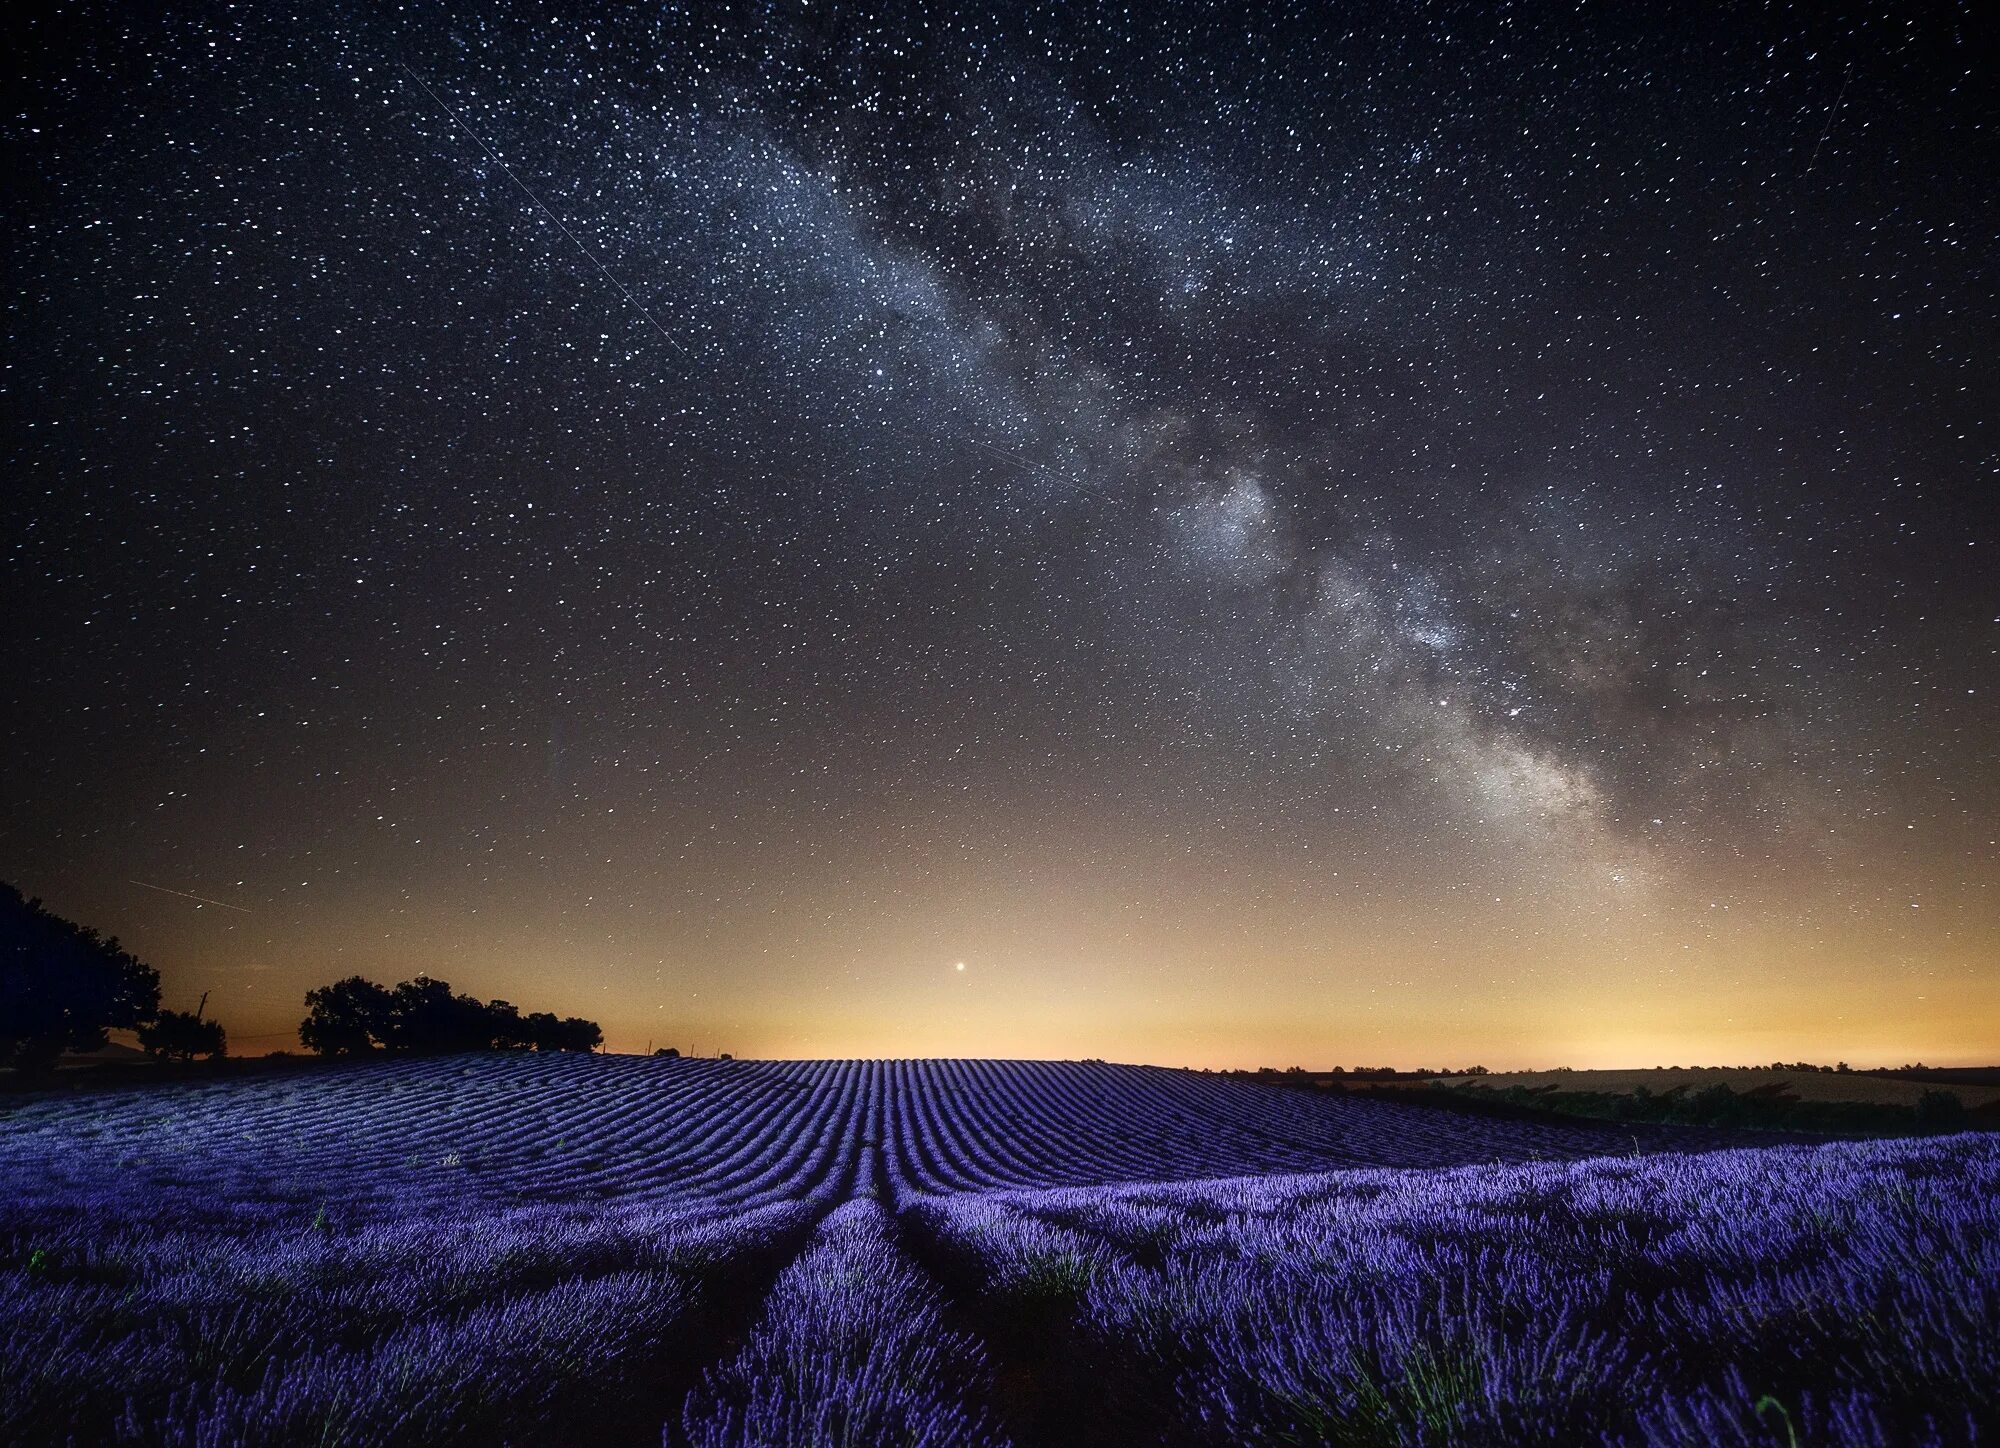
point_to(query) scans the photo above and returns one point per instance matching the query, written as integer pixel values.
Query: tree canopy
(424, 1016)
(183, 1035)
(347, 1018)
(63, 985)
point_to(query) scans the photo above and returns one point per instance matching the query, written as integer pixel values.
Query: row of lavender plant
(1841, 1294)
(852, 1348)
(427, 1328)
(978, 1125)
(459, 1132)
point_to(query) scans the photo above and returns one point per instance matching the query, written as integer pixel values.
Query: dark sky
(1196, 534)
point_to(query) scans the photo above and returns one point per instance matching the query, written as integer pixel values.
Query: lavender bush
(208, 1329)
(1845, 1293)
(852, 1348)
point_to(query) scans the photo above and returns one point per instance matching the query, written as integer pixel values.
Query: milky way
(1385, 531)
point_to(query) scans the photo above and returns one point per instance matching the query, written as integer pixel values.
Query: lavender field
(604, 1249)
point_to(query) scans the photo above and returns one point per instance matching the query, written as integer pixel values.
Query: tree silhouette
(572, 1033)
(183, 1035)
(542, 1031)
(62, 985)
(348, 1018)
(425, 1017)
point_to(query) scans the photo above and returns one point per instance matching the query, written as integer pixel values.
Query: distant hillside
(111, 1053)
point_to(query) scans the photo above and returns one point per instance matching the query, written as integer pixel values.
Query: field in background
(617, 1249)
(1802, 1085)
(506, 1129)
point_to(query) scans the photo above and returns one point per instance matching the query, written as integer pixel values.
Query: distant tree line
(1838, 1068)
(1372, 1073)
(423, 1016)
(64, 987)
(1422, 1073)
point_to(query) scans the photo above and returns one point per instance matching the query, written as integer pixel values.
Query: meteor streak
(224, 904)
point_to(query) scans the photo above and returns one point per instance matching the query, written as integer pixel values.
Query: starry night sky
(1412, 533)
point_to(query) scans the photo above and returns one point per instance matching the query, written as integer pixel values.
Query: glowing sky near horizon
(1212, 536)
